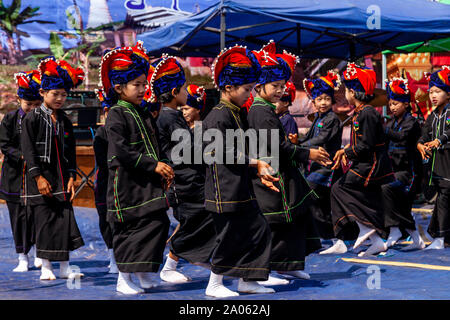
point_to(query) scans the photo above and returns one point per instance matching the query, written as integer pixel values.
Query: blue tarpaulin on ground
(310, 28)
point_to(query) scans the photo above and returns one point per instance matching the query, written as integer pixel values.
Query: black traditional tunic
(11, 180)
(438, 127)
(326, 132)
(357, 196)
(49, 150)
(243, 241)
(398, 196)
(135, 199)
(293, 231)
(101, 183)
(195, 238)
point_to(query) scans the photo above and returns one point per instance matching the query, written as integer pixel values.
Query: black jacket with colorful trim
(13, 164)
(48, 150)
(283, 206)
(402, 136)
(438, 127)
(134, 189)
(228, 185)
(367, 151)
(189, 180)
(325, 132)
(101, 160)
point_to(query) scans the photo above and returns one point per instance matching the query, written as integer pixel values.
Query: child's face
(272, 91)
(27, 106)
(438, 96)
(239, 94)
(133, 91)
(397, 108)
(55, 98)
(190, 114)
(350, 96)
(181, 97)
(323, 103)
(281, 106)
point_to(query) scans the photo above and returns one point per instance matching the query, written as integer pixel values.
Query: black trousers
(397, 207)
(22, 226)
(139, 243)
(196, 236)
(57, 231)
(440, 220)
(105, 226)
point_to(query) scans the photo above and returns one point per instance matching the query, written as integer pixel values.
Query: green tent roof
(441, 45)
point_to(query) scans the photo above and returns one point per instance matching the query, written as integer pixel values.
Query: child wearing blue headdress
(29, 98)
(291, 224)
(48, 146)
(137, 179)
(434, 145)
(402, 134)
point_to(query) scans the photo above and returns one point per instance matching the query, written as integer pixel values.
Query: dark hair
(168, 97)
(362, 96)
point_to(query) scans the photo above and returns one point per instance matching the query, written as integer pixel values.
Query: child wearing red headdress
(282, 110)
(48, 146)
(356, 197)
(13, 166)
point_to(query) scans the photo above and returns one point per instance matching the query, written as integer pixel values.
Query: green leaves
(56, 46)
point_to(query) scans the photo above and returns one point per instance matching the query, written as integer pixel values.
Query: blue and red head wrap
(28, 84)
(120, 66)
(58, 74)
(289, 92)
(440, 79)
(398, 90)
(165, 74)
(196, 97)
(235, 66)
(328, 85)
(360, 79)
(275, 67)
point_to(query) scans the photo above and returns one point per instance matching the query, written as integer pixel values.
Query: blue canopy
(344, 29)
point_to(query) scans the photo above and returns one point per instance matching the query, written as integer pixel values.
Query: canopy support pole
(299, 44)
(223, 27)
(383, 77)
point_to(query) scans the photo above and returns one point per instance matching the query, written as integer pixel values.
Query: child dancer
(326, 132)
(293, 233)
(243, 235)
(195, 103)
(282, 110)
(136, 180)
(13, 165)
(434, 145)
(402, 133)
(195, 237)
(48, 147)
(101, 185)
(356, 196)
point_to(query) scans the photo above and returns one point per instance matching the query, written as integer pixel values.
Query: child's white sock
(378, 245)
(252, 287)
(216, 288)
(169, 273)
(364, 233)
(296, 273)
(23, 263)
(274, 281)
(338, 247)
(125, 285)
(112, 262)
(418, 242)
(37, 261)
(394, 235)
(47, 270)
(438, 243)
(145, 280)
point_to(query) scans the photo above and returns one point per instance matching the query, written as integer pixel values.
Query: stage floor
(395, 276)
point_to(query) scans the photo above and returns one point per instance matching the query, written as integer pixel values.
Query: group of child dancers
(240, 218)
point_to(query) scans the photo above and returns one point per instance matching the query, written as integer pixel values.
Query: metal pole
(383, 77)
(223, 27)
